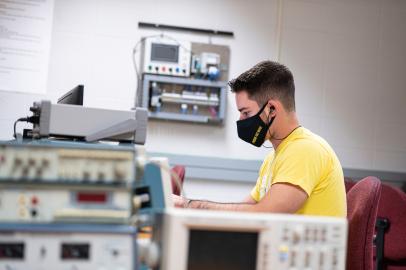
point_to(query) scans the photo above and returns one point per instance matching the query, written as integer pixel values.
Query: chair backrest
(362, 208)
(392, 206)
(349, 183)
(177, 183)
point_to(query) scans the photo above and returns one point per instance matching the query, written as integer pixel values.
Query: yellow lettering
(256, 134)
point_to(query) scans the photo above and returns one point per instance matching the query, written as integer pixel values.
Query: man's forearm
(200, 204)
(281, 198)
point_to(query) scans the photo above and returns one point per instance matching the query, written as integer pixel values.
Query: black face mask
(253, 130)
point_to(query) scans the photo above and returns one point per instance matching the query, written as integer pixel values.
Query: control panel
(47, 182)
(166, 56)
(67, 247)
(306, 246)
(38, 204)
(84, 163)
(268, 241)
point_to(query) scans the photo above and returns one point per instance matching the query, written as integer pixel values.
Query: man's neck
(290, 123)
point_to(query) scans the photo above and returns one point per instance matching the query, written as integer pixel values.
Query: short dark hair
(266, 80)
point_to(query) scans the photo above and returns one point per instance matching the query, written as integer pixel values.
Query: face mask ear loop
(261, 110)
(269, 124)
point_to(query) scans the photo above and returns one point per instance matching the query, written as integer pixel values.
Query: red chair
(177, 172)
(391, 243)
(349, 183)
(362, 208)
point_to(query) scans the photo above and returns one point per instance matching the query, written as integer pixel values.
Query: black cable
(270, 135)
(278, 139)
(138, 74)
(15, 124)
(267, 146)
(281, 139)
(30, 119)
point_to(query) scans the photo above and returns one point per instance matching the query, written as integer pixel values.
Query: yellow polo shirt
(306, 160)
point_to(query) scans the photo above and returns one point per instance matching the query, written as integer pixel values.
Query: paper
(25, 40)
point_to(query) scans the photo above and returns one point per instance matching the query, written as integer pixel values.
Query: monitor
(201, 239)
(73, 97)
(222, 249)
(165, 52)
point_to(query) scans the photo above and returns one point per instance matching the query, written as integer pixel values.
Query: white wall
(92, 43)
(218, 191)
(347, 58)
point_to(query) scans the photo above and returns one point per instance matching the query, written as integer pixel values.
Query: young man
(303, 174)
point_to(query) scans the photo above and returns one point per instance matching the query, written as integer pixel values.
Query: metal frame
(186, 29)
(147, 78)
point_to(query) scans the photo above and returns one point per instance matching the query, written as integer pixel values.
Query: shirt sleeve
(301, 165)
(255, 191)
(265, 167)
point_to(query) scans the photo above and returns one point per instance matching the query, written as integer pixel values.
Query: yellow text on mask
(256, 134)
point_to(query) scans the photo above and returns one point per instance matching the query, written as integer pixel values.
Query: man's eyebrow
(243, 108)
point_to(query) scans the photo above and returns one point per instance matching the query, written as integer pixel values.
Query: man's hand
(179, 201)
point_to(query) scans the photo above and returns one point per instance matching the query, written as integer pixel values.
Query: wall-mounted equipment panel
(184, 99)
(210, 61)
(166, 56)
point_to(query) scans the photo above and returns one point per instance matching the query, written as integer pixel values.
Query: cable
(134, 52)
(278, 139)
(267, 146)
(137, 73)
(270, 135)
(15, 124)
(29, 119)
(281, 139)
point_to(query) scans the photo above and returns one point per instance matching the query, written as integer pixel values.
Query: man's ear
(271, 105)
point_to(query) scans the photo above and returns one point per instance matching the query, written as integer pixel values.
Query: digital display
(91, 197)
(11, 251)
(76, 251)
(164, 52)
(222, 250)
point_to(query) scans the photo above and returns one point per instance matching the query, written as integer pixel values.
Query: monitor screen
(73, 97)
(164, 52)
(222, 250)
